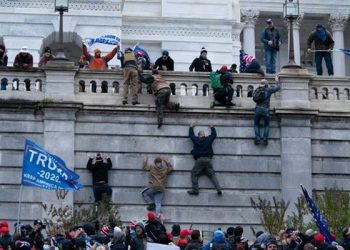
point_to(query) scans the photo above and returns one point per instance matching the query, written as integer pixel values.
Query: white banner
(154, 246)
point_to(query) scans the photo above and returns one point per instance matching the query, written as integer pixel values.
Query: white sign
(154, 246)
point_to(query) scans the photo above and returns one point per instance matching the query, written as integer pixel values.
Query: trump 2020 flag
(137, 49)
(45, 170)
(321, 223)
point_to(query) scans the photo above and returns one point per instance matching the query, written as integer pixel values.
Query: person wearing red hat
(97, 62)
(158, 172)
(99, 170)
(155, 230)
(224, 94)
(5, 237)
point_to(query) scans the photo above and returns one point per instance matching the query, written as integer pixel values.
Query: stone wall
(309, 143)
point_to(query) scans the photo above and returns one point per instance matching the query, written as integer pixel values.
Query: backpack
(259, 95)
(215, 80)
(156, 232)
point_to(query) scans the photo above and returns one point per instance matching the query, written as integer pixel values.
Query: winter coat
(158, 175)
(119, 245)
(201, 64)
(319, 44)
(100, 63)
(44, 59)
(268, 92)
(194, 245)
(168, 63)
(21, 59)
(159, 83)
(137, 242)
(202, 148)
(99, 170)
(271, 35)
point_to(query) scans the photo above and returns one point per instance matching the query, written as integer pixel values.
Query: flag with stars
(321, 223)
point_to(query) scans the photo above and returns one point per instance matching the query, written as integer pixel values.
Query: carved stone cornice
(94, 5)
(249, 17)
(173, 31)
(338, 20)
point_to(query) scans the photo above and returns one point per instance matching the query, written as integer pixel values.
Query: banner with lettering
(45, 170)
(106, 39)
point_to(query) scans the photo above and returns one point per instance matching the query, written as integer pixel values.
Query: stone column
(338, 21)
(296, 38)
(295, 114)
(236, 43)
(249, 18)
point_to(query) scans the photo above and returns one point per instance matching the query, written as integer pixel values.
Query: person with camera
(271, 39)
(99, 169)
(36, 236)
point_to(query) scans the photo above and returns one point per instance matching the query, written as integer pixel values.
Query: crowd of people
(136, 236)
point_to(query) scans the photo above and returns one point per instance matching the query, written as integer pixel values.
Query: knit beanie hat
(203, 50)
(117, 233)
(219, 236)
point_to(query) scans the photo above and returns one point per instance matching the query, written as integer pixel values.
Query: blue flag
(321, 223)
(137, 49)
(106, 39)
(44, 170)
(346, 51)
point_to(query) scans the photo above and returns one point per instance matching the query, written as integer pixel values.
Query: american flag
(321, 223)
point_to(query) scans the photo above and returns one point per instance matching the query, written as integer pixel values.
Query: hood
(219, 236)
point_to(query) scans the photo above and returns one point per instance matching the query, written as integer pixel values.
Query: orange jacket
(98, 63)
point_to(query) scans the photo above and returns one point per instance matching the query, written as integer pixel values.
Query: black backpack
(157, 232)
(259, 95)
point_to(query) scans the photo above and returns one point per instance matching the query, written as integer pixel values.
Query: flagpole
(19, 207)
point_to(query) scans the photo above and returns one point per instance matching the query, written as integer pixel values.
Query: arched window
(250, 91)
(115, 87)
(104, 87)
(93, 87)
(194, 90)
(173, 88)
(27, 84)
(336, 93)
(38, 85)
(15, 84)
(183, 89)
(205, 90)
(314, 94)
(81, 86)
(347, 94)
(3, 84)
(239, 91)
(324, 93)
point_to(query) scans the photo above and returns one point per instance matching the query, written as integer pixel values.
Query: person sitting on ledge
(97, 62)
(249, 64)
(201, 63)
(224, 93)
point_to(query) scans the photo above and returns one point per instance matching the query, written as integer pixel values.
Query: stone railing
(184, 85)
(31, 80)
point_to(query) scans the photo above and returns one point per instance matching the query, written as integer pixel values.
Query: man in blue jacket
(202, 153)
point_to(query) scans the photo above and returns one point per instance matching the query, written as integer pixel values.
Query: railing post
(60, 80)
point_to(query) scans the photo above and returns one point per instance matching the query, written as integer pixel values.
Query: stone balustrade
(110, 82)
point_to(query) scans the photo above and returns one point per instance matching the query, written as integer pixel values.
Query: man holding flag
(97, 62)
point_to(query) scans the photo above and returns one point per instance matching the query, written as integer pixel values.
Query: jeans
(261, 113)
(327, 58)
(150, 195)
(270, 60)
(224, 95)
(203, 166)
(100, 191)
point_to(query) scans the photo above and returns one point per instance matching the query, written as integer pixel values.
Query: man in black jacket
(165, 62)
(201, 63)
(203, 153)
(99, 170)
